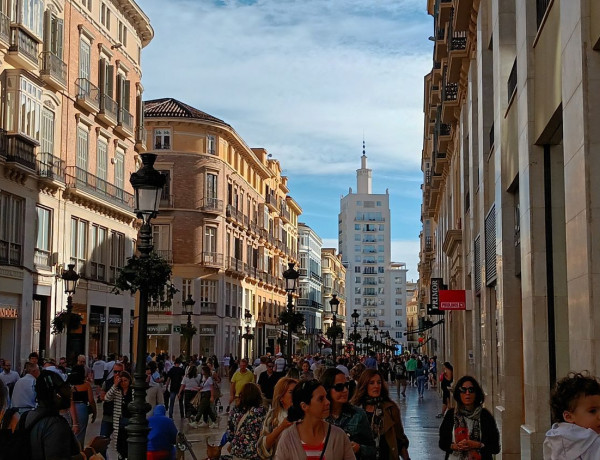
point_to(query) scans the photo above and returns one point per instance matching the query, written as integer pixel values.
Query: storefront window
(115, 322)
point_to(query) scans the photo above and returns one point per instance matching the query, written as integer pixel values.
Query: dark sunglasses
(470, 390)
(341, 386)
(117, 372)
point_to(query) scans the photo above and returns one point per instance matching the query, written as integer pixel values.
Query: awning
(324, 340)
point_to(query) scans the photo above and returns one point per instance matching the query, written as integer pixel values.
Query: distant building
(365, 246)
(334, 282)
(228, 226)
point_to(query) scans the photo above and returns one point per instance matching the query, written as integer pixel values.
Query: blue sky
(305, 79)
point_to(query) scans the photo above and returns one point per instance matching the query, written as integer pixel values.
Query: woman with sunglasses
(122, 394)
(276, 420)
(349, 418)
(469, 432)
(312, 437)
(384, 415)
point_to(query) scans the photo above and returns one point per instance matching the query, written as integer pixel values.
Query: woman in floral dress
(245, 423)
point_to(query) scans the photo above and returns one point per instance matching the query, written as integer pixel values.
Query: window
(161, 237)
(101, 163)
(357, 269)
(12, 210)
(357, 248)
(54, 44)
(398, 335)
(82, 153)
(210, 240)
(87, 4)
(105, 15)
(186, 288)
(162, 139)
(84, 63)
(98, 258)
(47, 139)
(208, 297)
(398, 312)
(398, 301)
(210, 144)
(29, 13)
(357, 237)
(356, 226)
(117, 254)
(123, 33)
(106, 77)
(119, 173)
(166, 196)
(23, 106)
(43, 238)
(211, 186)
(79, 242)
(399, 323)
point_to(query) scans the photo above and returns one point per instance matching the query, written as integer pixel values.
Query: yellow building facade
(228, 226)
(509, 199)
(70, 79)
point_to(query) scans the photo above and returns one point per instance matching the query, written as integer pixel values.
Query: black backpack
(17, 444)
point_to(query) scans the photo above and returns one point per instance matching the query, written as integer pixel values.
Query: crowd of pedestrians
(313, 408)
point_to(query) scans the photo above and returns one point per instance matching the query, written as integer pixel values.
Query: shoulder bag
(326, 441)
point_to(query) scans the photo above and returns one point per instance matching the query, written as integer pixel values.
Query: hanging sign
(453, 299)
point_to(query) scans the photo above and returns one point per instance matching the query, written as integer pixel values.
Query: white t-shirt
(279, 364)
(259, 370)
(207, 384)
(153, 380)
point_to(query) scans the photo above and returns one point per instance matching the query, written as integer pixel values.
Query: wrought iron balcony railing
(79, 178)
(50, 167)
(54, 67)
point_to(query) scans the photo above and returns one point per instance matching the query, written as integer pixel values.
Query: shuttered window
(490, 246)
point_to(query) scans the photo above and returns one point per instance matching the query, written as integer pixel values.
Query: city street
(418, 416)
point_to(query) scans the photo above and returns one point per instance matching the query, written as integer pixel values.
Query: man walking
(241, 377)
(9, 377)
(174, 378)
(267, 381)
(24, 392)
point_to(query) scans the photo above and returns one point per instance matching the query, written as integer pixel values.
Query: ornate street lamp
(189, 331)
(291, 283)
(147, 183)
(334, 303)
(375, 337)
(355, 317)
(248, 335)
(367, 339)
(71, 278)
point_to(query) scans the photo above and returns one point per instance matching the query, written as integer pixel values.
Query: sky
(308, 80)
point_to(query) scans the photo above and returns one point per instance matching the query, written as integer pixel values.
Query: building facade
(509, 199)
(334, 282)
(70, 79)
(365, 246)
(228, 226)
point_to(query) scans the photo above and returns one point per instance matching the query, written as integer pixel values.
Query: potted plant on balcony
(153, 272)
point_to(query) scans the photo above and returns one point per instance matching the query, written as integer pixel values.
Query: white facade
(365, 245)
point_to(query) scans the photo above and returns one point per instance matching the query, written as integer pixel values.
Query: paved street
(418, 416)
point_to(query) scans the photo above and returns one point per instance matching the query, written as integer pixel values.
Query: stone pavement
(418, 415)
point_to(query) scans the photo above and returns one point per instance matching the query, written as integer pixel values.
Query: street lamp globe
(367, 324)
(188, 305)
(148, 184)
(291, 278)
(334, 303)
(70, 277)
(355, 317)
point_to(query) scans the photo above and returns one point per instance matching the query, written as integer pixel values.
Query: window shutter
(126, 94)
(490, 246)
(477, 264)
(57, 42)
(102, 78)
(47, 30)
(109, 79)
(120, 90)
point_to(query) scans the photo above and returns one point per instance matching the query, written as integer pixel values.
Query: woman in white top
(207, 398)
(189, 388)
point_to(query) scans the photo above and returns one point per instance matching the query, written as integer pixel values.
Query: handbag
(196, 400)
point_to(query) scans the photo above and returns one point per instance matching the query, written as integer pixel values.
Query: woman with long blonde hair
(276, 420)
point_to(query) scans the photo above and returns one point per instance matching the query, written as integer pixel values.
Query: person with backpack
(42, 433)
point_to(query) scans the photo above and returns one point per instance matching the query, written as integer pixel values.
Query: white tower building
(372, 280)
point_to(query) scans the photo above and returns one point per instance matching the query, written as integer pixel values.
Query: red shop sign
(453, 299)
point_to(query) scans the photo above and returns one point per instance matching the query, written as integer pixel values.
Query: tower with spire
(373, 285)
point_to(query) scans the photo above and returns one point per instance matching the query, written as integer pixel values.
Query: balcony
(19, 151)
(42, 258)
(211, 259)
(83, 181)
(208, 308)
(124, 122)
(284, 213)
(309, 303)
(10, 253)
(108, 110)
(449, 102)
(440, 50)
(87, 95)
(271, 202)
(4, 31)
(166, 254)
(235, 265)
(458, 54)
(54, 71)
(23, 50)
(50, 167)
(428, 244)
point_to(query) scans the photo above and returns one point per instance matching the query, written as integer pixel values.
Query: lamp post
(71, 278)
(148, 184)
(334, 304)
(367, 339)
(247, 336)
(303, 333)
(355, 317)
(188, 309)
(375, 338)
(291, 281)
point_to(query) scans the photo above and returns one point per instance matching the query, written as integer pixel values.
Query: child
(575, 404)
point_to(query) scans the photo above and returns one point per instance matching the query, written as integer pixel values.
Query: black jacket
(490, 436)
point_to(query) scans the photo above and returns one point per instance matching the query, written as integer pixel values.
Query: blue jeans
(106, 429)
(82, 419)
(421, 384)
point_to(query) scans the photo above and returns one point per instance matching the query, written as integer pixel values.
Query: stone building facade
(71, 132)
(509, 200)
(228, 226)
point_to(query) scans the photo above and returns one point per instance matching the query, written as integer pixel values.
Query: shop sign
(207, 329)
(115, 319)
(177, 329)
(159, 329)
(272, 333)
(8, 312)
(453, 299)
(97, 318)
